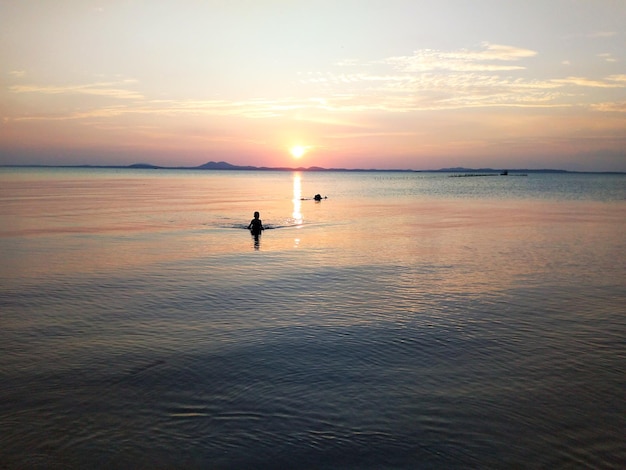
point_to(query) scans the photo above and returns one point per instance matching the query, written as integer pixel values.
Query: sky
(391, 84)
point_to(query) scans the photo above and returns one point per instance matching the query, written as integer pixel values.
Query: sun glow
(298, 151)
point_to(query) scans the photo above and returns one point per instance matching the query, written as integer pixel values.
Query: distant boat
(504, 173)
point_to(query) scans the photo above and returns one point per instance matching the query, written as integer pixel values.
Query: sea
(407, 320)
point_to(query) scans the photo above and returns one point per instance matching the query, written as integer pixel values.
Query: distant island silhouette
(228, 166)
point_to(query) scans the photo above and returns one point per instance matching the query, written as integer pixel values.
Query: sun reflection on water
(297, 196)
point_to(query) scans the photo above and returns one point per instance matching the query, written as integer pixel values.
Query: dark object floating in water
(503, 173)
(318, 197)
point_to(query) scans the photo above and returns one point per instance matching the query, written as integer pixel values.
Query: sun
(298, 151)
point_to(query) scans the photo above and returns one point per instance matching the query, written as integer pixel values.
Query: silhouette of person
(256, 226)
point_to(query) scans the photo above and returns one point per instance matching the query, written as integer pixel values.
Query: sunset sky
(351, 83)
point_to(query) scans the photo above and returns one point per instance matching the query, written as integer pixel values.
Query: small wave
(265, 227)
(283, 226)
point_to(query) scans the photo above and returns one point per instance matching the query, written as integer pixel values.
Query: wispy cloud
(110, 89)
(602, 34)
(613, 81)
(431, 80)
(253, 109)
(488, 58)
(489, 76)
(608, 57)
(620, 78)
(611, 107)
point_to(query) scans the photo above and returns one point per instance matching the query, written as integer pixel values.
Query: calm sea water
(409, 320)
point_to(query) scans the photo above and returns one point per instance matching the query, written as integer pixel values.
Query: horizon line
(225, 166)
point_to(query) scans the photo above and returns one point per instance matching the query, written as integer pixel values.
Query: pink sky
(394, 84)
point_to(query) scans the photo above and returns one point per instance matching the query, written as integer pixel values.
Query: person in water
(256, 226)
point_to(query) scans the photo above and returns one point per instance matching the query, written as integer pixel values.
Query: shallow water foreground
(407, 321)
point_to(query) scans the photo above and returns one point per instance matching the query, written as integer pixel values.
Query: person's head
(256, 215)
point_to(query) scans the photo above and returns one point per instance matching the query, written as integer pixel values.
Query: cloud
(613, 81)
(253, 109)
(496, 52)
(431, 80)
(463, 60)
(608, 57)
(440, 80)
(611, 107)
(602, 34)
(17, 73)
(425, 81)
(110, 89)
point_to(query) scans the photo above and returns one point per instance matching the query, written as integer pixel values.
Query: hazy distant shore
(231, 167)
